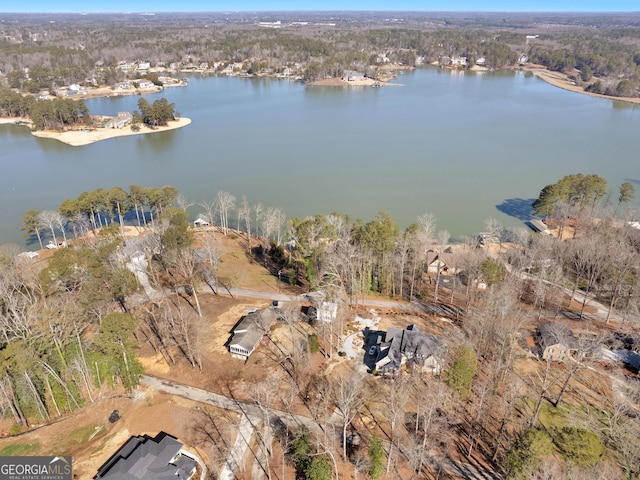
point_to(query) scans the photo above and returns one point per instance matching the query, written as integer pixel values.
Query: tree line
(58, 113)
(44, 114)
(89, 51)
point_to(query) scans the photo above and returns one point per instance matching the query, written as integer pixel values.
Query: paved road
(253, 414)
(417, 307)
(250, 410)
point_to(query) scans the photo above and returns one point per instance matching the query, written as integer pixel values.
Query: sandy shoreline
(367, 82)
(77, 138)
(563, 81)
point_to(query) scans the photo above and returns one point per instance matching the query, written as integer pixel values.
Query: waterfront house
(200, 222)
(122, 120)
(441, 261)
(351, 76)
(123, 86)
(147, 458)
(145, 84)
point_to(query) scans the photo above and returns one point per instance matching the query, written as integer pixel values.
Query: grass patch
(556, 417)
(19, 449)
(552, 417)
(79, 437)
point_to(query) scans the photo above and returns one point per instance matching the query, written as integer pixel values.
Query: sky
(64, 6)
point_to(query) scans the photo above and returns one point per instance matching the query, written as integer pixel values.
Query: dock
(538, 226)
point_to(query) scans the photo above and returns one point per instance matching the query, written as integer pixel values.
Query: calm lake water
(464, 147)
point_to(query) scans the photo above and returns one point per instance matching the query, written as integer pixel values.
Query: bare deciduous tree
(348, 398)
(225, 202)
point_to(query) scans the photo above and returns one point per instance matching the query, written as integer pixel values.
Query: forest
(60, 113)
(599, 52)
(494, 404)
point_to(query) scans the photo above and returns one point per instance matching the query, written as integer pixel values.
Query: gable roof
(146, 458)
(552, 333)
(248, 332)
(412, 344)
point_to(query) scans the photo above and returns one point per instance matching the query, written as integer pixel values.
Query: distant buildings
(351, 76)
(454, 61)
(200, 222)
(145, 84)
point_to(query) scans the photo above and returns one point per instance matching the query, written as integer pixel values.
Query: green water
(463, 147)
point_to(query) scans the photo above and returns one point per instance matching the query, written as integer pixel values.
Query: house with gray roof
(147, 458)
(438, 261)
(556, 341)
(248, 333)
(397, 346)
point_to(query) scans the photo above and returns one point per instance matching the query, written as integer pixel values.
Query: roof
(146, 458)
(252, 327)
(410, 343)
(327, 311)
(553, 333)
(446, 258)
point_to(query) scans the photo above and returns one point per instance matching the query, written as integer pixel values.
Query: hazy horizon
(165, 6)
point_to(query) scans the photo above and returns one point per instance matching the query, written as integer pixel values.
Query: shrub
(314, 344)
(526, 452)
(319, 469)
(376, 458)
(580, 446)
(460, 375)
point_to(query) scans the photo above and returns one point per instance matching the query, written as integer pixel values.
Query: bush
(492, 272)
(314, 344)
(319, 468)
(526, 453)
(15, 429)
(460, 375)
(376, 458)
(580, 446)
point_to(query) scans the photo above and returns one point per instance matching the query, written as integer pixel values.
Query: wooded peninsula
(247, 345)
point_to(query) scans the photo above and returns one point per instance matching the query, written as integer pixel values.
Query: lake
(464, 147)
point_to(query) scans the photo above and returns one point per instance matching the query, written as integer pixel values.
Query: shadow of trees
(519, 208)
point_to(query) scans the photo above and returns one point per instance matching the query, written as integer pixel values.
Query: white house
(327, 312)
(145, 84)
(200, 222)
(351, 76)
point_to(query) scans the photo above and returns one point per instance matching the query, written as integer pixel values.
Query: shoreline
(78, 138)
(563, 81)
(338, 82)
